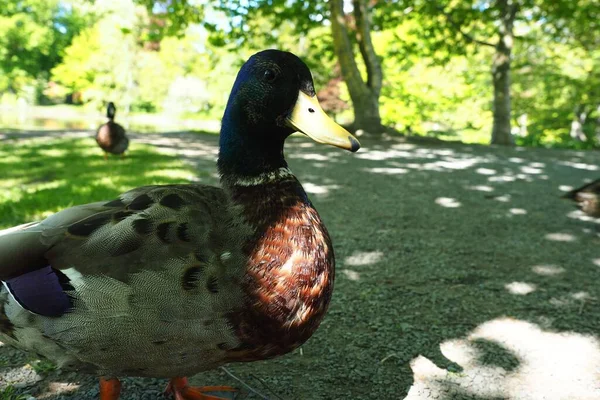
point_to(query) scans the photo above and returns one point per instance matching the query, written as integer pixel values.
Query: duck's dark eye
(269, 75)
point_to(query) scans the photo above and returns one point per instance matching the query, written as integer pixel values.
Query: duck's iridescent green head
(272, 97)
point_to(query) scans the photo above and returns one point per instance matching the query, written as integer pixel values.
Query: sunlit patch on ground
(580, 165)
(535, 364)
(63, 387)
(350, 274)
(565, 188)
(363, 258)
(531, 170)
(388, 171)
(520, 288)
(561, 237)
(482, 188)
(486, 171)
(547, 270)
(580, 215)
(447, 202)
(517, 211)
(318, 189)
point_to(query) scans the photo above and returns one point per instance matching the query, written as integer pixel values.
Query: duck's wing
(23, 247)
(120, 141)
(189, 232)
(118, 131)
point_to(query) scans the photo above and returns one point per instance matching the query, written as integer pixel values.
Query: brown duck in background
(587, 198)
(111, 136)
(168, 281)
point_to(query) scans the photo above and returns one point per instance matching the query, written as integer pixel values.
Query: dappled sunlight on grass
(547, 270)
(481, 188)
(561, 237)
(505, 198)
(516, 160)
(350, 274)
(363, 258)
(318, 189)
(580, 215)
(575, 300)
(565, 188)
(311, 156)
(520, 288)
(177, 174)
(513, 359)
(580, 165)
(486, 171)
(502, 178)
(531, 170)
(447, 202)
(44, 176)
(582, 296)
(387, 171)
(517, 211)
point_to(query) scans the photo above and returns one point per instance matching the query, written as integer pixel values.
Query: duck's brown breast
(103, 136)
(289, 275)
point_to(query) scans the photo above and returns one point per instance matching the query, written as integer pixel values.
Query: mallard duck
(111, 136)
(168, 281)
(587, 198)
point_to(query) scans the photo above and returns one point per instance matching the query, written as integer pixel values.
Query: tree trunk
(579, 117)
(501, 132)
(598, 123)
(364, 95)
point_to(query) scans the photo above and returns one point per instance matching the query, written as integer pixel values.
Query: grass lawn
(40, 177)
(461, 274)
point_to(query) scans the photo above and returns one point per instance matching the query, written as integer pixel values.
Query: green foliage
(43, 367)
(33, 36)
(171, 17)
(10, 393)
(181, 57)
(421, 97)
(551, 89)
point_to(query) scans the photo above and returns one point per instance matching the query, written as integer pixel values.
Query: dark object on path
(587, 198)
(111, 136)
(168, 281)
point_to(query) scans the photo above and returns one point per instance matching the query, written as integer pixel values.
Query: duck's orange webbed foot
(110, 389)
(179, 388)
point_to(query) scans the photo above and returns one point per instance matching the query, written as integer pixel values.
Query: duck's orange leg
(105, 156)
(110, 389)
(180, 389)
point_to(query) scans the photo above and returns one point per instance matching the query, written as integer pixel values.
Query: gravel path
(461, 275)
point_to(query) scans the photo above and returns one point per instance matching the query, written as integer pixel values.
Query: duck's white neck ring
(262, 179)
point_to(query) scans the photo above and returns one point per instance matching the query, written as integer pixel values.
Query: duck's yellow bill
(309, 118)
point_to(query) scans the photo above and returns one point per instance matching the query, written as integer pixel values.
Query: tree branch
(363, 36)
(344, 51)
(458, 27)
